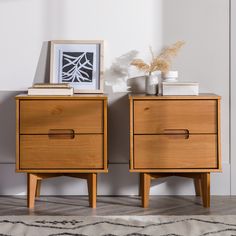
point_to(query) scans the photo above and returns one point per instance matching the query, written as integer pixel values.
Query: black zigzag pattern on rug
(63, 222)
(62, 225)
(114, 223)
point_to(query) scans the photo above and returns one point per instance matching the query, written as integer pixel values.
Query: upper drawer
(41, 116)
(159, 116)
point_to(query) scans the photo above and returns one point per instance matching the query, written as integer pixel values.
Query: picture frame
(79, 63)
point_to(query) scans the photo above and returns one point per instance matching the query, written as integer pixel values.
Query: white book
(180, 88)
(51, 85)
(51, 91)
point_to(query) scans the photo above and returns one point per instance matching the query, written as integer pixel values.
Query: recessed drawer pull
(177, 133)
(61, 133)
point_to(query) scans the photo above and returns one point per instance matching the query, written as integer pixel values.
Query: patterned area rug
(118, 225)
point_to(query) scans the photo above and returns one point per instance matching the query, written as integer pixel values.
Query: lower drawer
(44, 152)
(175, 151)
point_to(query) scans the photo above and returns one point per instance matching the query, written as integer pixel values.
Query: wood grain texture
(76, 99)
(201, 96)
(175, 135)
(105, 157)
(205, 183)
(61, 136)
(197, 186)
(162, 151)
(77, 175)
(17, 134)
(174, 170)
(62, 171)
(41, 152)
(38, 188)
(201, 182)
(146, 182)
(92, 189)
(34, 182)
(154, 116)
(219, 135)
(131, 134)
(189, 175)
(32, 185)
(140, 190)
(40, 116)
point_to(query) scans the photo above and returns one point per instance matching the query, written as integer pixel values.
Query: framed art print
(78, 63)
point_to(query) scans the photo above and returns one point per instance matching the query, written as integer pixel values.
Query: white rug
(118, 225)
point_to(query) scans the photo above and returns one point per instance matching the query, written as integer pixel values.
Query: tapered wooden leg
(197, 185)
(140, 185)
(146, 180)
(37, 194)
(92, 189)
(32, 183)
(205, 183)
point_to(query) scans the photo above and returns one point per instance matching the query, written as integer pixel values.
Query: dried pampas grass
(162, 62)
(159, 64)
(141, 65)
(171, 51)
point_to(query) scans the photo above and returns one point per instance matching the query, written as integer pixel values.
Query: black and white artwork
(78, 64)
(77, 67)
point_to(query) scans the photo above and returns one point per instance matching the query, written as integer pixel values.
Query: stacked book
(180, 88)
(51, 89)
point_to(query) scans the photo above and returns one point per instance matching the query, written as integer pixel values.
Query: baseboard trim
(117, 182)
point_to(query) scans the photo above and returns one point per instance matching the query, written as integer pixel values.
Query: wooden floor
(78, 205)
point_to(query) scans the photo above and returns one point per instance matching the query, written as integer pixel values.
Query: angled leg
(32, 183)
(37, 194)
(197, 185)
(140, 185)
(205, 183)
(92, 189)
(146, 180)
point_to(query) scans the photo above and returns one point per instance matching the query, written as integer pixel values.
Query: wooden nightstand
(175, 135)
(61, 135)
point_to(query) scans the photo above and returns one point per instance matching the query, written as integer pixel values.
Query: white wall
(204, 25)
(233, 97)
(125, 25)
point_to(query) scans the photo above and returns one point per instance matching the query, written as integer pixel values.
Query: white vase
(151, 84)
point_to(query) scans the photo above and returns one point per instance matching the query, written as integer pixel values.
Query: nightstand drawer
(61, 151)
(175, 151)
(41, 116)
(157, 116)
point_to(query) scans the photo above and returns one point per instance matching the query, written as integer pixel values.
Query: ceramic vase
(151, 84)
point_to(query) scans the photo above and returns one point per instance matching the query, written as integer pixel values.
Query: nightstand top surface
(201, 96)
(75, 96)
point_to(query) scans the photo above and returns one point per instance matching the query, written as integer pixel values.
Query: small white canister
(171, 76)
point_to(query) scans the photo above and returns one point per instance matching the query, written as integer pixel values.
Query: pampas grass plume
(161, 62)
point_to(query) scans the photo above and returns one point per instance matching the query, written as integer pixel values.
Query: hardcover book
(51, 85)
(180, 88)
(50, 91)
